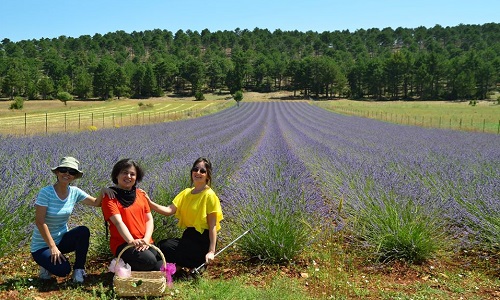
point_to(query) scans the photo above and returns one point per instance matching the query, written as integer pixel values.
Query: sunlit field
(53, 116)
(341, 206)
(481, 117)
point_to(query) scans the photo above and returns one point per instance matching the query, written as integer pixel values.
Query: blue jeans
(77, 240)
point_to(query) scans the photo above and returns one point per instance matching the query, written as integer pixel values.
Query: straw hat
(69, 162)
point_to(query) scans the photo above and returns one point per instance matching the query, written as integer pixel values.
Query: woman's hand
(209, 257)
(142, 247)
(108, 192)
(139, 244)
(56, 256)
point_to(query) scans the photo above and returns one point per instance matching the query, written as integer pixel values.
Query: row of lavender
(281, 167)
(273, 194)
(449, 175)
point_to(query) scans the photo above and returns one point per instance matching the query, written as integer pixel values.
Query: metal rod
(218, 252)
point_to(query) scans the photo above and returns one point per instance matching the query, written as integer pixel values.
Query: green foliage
(64, 97)
(165, 227)
(199, 96)
(142, 105)
(46, 87)
(14, 215)
(421, 64)
(238, 96)
(193, 70)
(100, 243)
(280, 234)
(82, 84)
(484, 223)
(399, 231)
(238, 288)
(17, 104)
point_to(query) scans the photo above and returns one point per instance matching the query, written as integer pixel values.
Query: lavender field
(294, 170)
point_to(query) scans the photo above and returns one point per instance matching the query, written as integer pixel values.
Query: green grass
(483, 117)
(332, 269)
(40, 117)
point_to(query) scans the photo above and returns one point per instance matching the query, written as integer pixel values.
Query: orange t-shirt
(133, 216)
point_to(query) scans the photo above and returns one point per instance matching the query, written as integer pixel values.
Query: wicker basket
(141, 283)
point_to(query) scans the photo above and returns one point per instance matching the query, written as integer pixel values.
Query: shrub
(18, 103)
(280, 236)
(145, 106)
(238, 96)
(199, 96)
(399, 230)
(279, 232)
(64, 97)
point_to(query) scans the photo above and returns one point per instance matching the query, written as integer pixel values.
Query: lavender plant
(398, 230)
(288, 167)
(275, 195)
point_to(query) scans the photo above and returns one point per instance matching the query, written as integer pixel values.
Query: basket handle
(150, 245)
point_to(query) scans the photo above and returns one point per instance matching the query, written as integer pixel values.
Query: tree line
(452, 63)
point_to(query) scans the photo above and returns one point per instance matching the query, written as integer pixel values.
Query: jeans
(77, 240)
(147, 260)
(188, 251)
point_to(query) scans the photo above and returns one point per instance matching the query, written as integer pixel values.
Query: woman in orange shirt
(130, 219)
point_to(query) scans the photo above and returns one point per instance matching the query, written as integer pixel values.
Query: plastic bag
(121, 269)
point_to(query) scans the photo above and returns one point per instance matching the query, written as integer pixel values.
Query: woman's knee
(83, 232)
(60, 270)
(168, 244)
(146, 261)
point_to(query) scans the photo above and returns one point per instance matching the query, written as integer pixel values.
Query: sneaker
(44, 274)
(78, 275)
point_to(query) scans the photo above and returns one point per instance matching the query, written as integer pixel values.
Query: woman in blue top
(51, 238)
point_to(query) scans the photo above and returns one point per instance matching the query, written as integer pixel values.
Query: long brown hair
(208, 166)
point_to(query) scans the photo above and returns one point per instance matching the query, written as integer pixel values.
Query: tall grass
(279, 236)
(399, 230)
(484, 221)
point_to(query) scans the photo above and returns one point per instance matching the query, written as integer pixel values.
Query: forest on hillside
(438, 63)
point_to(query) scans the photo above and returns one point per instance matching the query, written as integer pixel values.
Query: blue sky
(36, 19)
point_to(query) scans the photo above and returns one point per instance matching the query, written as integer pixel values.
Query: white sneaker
(44, 274)
(78, 275)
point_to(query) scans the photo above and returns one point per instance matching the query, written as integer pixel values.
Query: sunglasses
(67, 170)
(201, 170)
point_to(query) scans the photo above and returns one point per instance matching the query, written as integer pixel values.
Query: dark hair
(125, 164)
(208, 166)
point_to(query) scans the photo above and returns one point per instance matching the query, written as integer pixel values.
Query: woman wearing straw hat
(51, 236)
